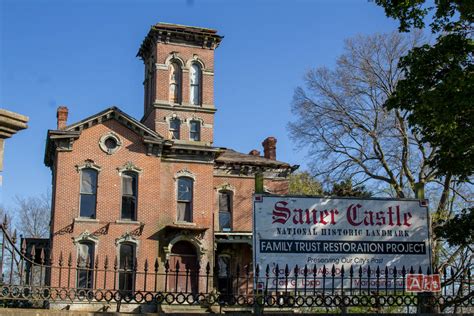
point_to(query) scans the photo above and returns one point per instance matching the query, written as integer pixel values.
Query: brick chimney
(254, 152)
(61, 115)
(269, 148)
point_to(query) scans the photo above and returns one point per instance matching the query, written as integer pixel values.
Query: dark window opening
(185, 199)
(175, 125)
(127, 274)
(88, 193)
(225, 211)
(195, 131)
(111, 143)
(129, 196)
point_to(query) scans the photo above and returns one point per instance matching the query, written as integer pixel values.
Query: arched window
(127, 253)
(129, 195)
(195, 130)
(175, 125)
(225, 211)
(185, 199)
(85, 264)
(175, 83)
(195, 84)
(88, 194)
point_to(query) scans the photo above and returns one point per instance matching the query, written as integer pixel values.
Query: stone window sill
(125, 221)
(86, 220)
(180, 223)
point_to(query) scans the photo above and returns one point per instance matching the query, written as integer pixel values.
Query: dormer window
(195, 130)
(175, 125)
(195, 84)
(175, 83)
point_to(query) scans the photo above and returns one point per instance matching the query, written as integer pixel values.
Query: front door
(183, 274)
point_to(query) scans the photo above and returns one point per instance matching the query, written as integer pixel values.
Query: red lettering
(351, 214)
(281, 214)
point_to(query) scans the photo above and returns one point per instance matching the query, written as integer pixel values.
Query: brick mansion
(156, 187)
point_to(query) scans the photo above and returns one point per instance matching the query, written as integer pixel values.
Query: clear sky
(82, 54)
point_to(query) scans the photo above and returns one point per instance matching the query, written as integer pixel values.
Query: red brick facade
(147, 150)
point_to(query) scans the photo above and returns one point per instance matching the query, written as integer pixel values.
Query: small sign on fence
(332, 233)
(423, 283)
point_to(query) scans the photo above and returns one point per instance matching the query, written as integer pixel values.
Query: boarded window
(195, 130)
(129, 195)
(185, 199)
(88, 193)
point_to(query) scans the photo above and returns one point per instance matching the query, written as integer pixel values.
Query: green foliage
(439, 81)
(459, 230)
(412, 13)
(302, 183)
(346, 188)
(438, 90)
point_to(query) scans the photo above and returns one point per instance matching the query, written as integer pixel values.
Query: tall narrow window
(185, 199)
(175, 125)
(225, 211)
(127, 271)
(88, 193)
(175, 83)
(129, 195)
(195, 130)
(195, 82)
(85, 264)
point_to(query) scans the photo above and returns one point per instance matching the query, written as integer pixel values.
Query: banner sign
(291, 230)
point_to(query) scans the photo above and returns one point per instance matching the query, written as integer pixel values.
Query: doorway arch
(184, 268)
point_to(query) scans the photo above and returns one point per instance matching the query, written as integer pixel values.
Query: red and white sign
(326, 232)
(423, 283)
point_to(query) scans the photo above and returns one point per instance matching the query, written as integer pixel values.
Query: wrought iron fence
(29, 276)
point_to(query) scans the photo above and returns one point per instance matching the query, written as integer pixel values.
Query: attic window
(110, 143)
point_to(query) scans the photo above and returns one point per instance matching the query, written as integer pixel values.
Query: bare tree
(32, 215)
(341, 120)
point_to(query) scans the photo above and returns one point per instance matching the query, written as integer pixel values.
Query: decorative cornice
(88, 163)
(85, 236)
(127, 237)
(129, 166)
(185, 173)
(11, 122)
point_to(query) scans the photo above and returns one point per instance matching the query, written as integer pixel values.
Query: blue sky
(82, 54)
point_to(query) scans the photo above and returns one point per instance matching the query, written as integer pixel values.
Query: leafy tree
(438, 87)
(346, 188)
(342, 120)
(302, 183)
